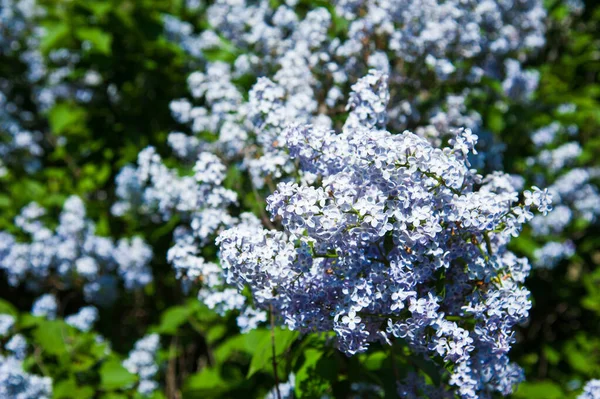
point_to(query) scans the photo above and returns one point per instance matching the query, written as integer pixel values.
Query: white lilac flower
(45, 306)
(17, 345)
(284, 390)
(458, 39)
(142, 362)
(6, 323)
(72, 250)
(574, 193)
(552, 253)
(16, 383)
(519, 84)
(591, 390)
(84, 319)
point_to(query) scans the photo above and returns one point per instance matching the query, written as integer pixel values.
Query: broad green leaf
(206, 380)
(5, 201)
(100, 40)
(215, 333)
(84, 392)
(64, 389)
(539, 390)
(114, 395)
(244, 343)
(66, 118)
(374, 361)
(7, 308)
(552, 355)
(173, 318)
(100, 9)
(307, 370)
(27, 320)
(51, 336)
(578, 360)
(55, 33)
(83, 362)
(114, 376)
(263, 356)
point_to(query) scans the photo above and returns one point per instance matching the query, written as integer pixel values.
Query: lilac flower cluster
(364, 248)
(84, 319)
(73, 253)
(439, 43)
(16, 383)
(45, 306)
(200, 200)
(6, 323)
(17, 142)
(440, 34)
(15, 17)
(591, 390)
(202, 204)
(415, 387)
(51, 78)
(573, 186)
(519, 84)
(372, 222)
(152, 188)
(294, 51)
(219, 114)
(17, 346)
(142, 362)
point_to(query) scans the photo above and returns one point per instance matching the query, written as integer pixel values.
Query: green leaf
(114, 376)
(173, 318)
(495, 120)
(578, 360)
(113, 395)
(55, 33)
(5, 201)
(552, 355)
(100, 9)
(83, 362)
(66, 118)
(7, 308)
(244, 343)
(374, 361)
(83, 392)
(215, 333)
(27, 320)
(263, 356)
(304, 376)
(51, 335)
(100, 40)
(539, 390)
(64, 389)
(68, 389)
(206, 380)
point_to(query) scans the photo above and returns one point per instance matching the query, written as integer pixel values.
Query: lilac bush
(73, 253)
(396, 239)
(333, 191)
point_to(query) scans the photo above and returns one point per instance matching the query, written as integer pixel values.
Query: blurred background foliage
(560, 346)
(203, 355)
